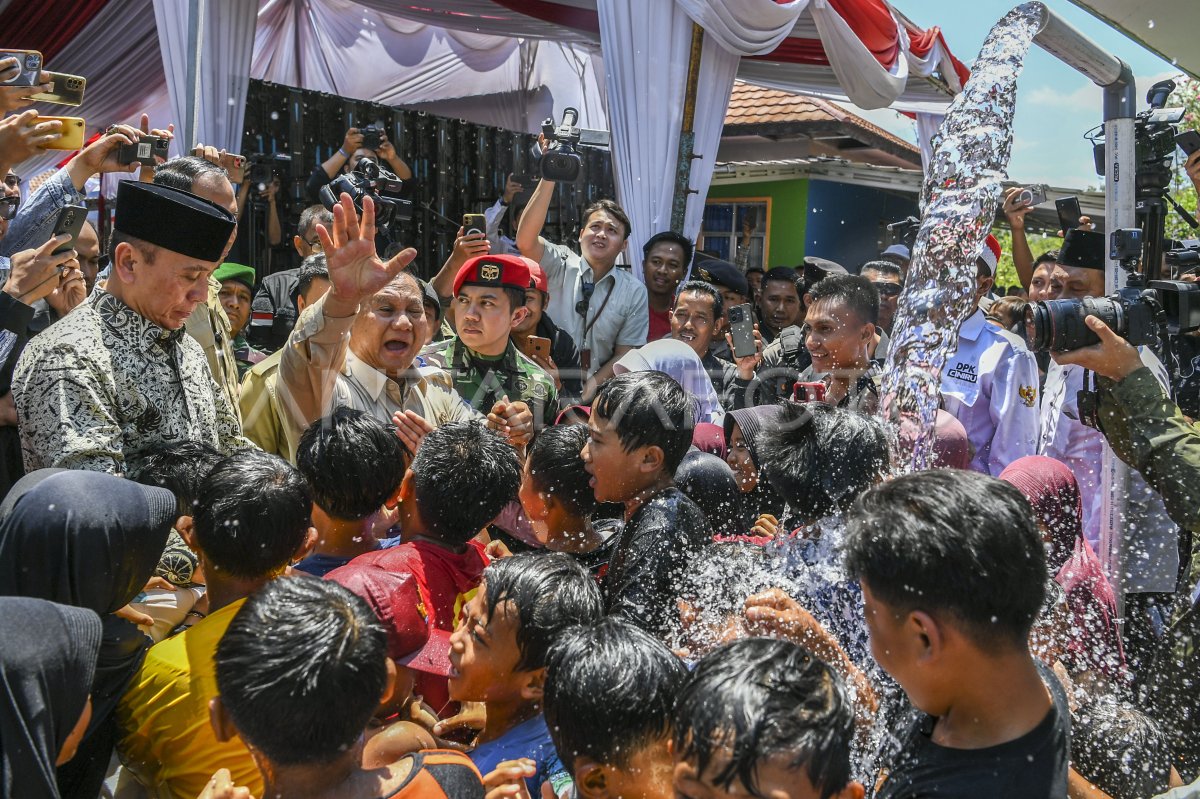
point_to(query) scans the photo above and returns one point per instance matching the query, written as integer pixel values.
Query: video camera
(562, 162)
(370, 179)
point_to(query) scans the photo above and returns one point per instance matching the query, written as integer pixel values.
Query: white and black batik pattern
(104, 383)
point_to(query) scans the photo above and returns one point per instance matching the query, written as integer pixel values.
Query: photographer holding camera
(368, 142)
(1149, 432)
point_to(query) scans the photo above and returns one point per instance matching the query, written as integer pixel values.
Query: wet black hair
(759, 699)
(352, 461)
(252, 514)
(610, 690)
(557, 469)
(464, 475)
(854, 291)
(671, 237)
(296, 649)
(648, 409)
(311, 268)
(178, 466)
(708, 481)
(708, 290)
(819, 458)
(550, 591)
(954, 542)
(1120, 749)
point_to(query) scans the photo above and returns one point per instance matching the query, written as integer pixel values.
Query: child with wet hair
(498, 657)
(610, 691)
(762, 717)
(1120, 750)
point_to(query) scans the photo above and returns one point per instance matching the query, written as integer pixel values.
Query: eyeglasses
(886, 288)
(581, 307)
(314, 245)
(13, 181)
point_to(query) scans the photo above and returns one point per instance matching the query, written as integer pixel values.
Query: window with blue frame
(736, 227)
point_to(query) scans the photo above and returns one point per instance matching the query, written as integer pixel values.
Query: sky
(1055, 104)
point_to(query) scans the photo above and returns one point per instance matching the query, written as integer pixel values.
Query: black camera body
(144, 151)
(262, 168)
(905, 231)
(562, 162)
(380, 184)
(1058, 325)
(372, 136)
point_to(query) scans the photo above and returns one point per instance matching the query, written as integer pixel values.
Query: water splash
(958, 202)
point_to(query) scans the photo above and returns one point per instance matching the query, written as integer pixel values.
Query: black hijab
(90, 540)
(47, 662)
(709, 482)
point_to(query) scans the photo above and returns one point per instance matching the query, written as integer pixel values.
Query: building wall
(848, 224)
(788, 215)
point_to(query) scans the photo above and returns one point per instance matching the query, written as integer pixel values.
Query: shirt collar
(375, 382)
(973, 326)
(129, 324)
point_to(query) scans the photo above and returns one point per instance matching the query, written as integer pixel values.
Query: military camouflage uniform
(483, 381)
(246, 356)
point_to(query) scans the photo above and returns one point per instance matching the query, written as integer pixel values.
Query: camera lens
(1058, 325)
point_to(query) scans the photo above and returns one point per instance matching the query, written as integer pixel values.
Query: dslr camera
(372, 136)
(262, 168)
(369, 179)
(562, 162)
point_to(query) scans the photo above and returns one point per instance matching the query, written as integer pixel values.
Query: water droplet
(274, 115)
(1150, 24)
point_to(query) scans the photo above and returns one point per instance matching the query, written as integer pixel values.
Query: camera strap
(585, 352)
(1088, 401)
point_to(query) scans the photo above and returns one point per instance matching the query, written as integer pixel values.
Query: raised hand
(14, 97)
(23, 136)
(36, 273)
(355, 269)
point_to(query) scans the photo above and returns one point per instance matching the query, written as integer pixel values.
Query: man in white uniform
(990, 383)
(1152, 551)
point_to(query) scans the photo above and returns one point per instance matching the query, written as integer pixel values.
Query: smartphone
(235, 165)
(144, 151)
(809, 392)
(539, 346)
(1068, 213)
(71, 134)
(1188, 141)
(70, 221)
(64, 89)
(528, 182)
(474, 223)
(30, 62)
(1034, 195)
(741, 330)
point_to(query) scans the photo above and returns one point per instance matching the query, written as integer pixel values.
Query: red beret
(537, 277)
(509, 271)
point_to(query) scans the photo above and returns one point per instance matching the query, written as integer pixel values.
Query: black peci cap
(722, 273)
(173, 219)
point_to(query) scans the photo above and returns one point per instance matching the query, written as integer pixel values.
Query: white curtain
(927, 127)
(646, 75)
(209, 101)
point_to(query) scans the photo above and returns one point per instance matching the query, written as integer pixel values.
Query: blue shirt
(529, 739)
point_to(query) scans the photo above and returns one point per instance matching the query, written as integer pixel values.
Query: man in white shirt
(1152, 551)
(604, 309)
(990, 383)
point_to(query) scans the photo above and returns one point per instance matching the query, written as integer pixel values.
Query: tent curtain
(646, 86)
(224, 30)
(48, 25)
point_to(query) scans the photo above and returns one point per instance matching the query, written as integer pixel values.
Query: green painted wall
(789, 215)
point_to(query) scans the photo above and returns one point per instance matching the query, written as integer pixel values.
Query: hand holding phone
(1188, 141)
(64, 89)
(474, 224)
(1068, 213)
(70, 222)
(741, 330)
(71, 133)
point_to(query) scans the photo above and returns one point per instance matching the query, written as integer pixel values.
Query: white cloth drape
(745, 27)
(927, 126)
(866, 82)
(226, 43)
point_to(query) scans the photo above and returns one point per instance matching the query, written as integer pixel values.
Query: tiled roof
(755, 105)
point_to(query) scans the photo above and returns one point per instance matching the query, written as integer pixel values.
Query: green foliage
(1188, 96)
(1006, 272)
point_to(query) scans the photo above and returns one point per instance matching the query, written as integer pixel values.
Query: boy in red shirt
(460, 479)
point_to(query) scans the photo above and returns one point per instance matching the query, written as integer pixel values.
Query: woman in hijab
(742, 428)
(679, 361)
(709, 482)
(90, 540)
(47, 662)
(1094, 648)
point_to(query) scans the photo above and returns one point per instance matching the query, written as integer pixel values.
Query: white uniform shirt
(990, 384)
(618, 313)
(1152, 552)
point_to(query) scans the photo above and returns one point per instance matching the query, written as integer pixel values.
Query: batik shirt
(103, 384)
